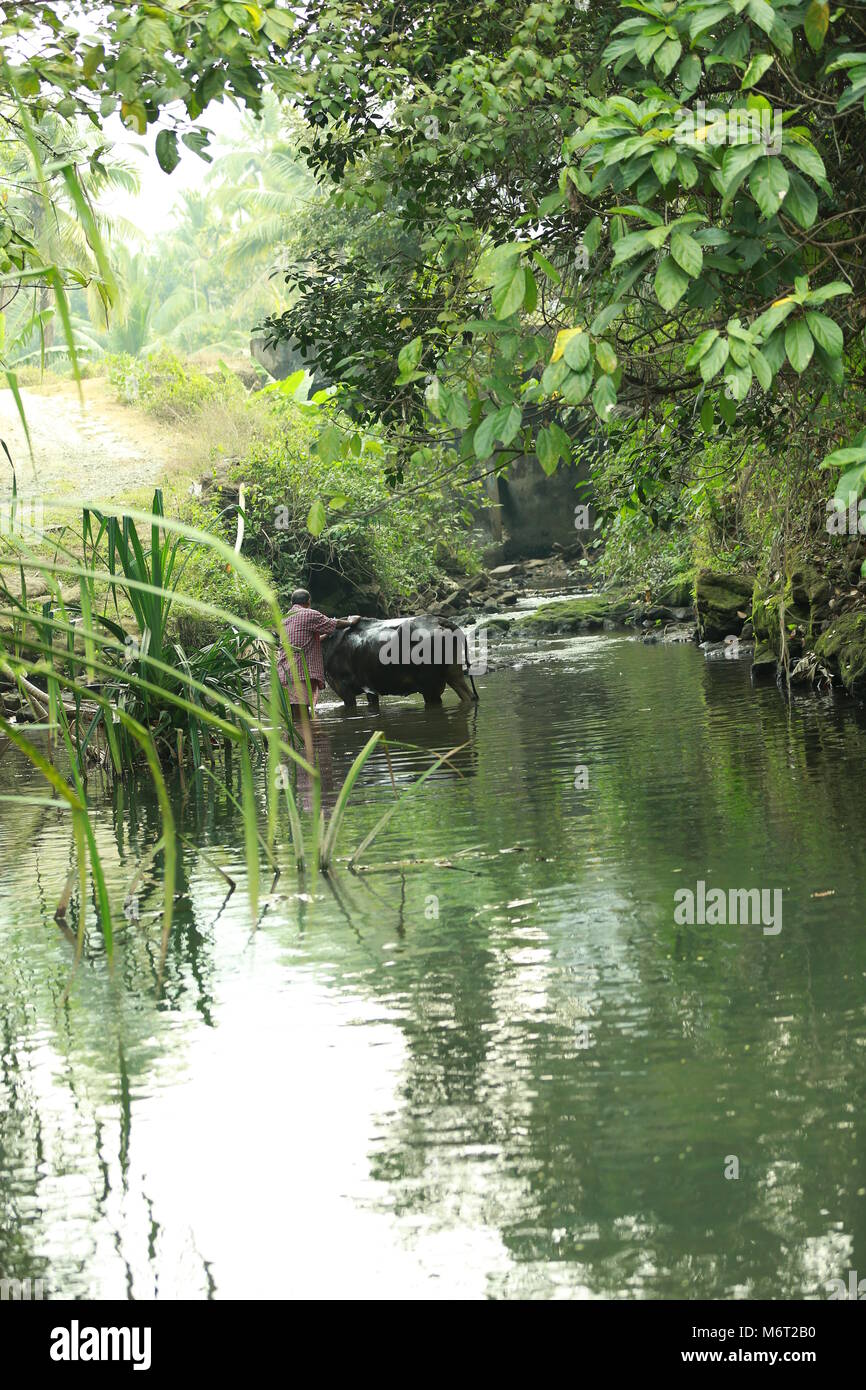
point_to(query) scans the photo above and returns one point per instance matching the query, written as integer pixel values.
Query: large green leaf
(687, 253)
(701, 346)
(317, 518)
(850, 486)
(501, 424)
(576, 351)
(831, 291)
(664, 163)
(799, 344)
(843, 458)
(667, 57)
(671, 283)
(509, 291)
(409, 356)
(605, 356)
(485, 434)
(707, 17)
(761, 368)
(801, 202)
(604, 397)
(816, 23)
(547, 449)
(807, 160)
(637, 242)
(827, 334)
(576, 386)
(758, 65)
(738, 380)
(713, 360)
(769, 183)
(690, 73)
(167, 152)
(737, 162)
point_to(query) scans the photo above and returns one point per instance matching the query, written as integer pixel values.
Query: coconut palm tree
(262, 184)
(50, 189)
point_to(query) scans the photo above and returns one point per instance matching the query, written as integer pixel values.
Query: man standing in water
(304, 628)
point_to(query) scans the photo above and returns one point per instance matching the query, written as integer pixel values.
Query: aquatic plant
(102, 689)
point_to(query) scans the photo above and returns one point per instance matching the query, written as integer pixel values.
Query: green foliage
(206, 576)
(137, 59)
(678, 181)
(623, 219)
(118, 695)
(167, 387)
(319, 507)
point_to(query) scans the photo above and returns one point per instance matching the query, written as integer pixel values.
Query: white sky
(151, 209)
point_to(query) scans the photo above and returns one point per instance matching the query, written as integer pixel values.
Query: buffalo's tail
(467, 668)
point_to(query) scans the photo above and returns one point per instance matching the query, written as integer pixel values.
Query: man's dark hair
(301, 596)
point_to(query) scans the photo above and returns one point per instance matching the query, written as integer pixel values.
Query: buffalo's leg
(346, 694)
(459, 684)
(372, 699)
(433, 687)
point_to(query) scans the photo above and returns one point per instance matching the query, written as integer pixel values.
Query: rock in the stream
(677, 593)
(588, 614)
(764, 663)
(723, 602)
(679, 632)
(810, 593)
(842, 650)
(789, 619)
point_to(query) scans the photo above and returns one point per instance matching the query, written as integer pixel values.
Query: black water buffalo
(397, 656)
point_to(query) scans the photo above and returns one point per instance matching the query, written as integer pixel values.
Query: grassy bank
(324, 518)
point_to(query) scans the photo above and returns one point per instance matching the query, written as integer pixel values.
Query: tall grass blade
(410, 791)
(330, 841)
(251, 833)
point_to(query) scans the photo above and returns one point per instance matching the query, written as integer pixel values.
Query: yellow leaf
(134, 113)
(562, 338)
(787, 300)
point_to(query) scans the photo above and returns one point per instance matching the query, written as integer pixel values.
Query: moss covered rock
(810, 592)
(767, 621)
(842, 649)
(678, 592)
(764, 662)
(789, 619)
(723, 602)
(575, 615)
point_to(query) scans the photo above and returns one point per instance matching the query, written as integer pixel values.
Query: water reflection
(504, 1072)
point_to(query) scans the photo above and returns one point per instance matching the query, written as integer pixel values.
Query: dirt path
(101, 451)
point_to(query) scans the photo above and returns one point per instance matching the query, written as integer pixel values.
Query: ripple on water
(506, 1072)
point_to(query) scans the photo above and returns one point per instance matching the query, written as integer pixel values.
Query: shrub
(206, 576)
(167, 387)
(383, 544)
(377, 548)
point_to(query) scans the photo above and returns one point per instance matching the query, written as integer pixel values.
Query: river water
(498, 1067)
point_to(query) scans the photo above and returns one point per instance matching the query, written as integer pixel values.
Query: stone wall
(529, 511)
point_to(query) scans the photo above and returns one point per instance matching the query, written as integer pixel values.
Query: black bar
(603, 1338)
